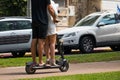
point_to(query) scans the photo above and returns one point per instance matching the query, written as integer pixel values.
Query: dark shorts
(39, 31)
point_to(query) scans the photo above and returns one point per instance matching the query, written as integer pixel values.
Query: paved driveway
(11, 73)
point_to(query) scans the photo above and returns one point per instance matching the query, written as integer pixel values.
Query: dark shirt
(39, 11)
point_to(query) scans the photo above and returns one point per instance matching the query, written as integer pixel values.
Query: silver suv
(98, 29)
(15, 35)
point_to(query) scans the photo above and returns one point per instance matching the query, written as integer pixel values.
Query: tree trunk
(85, 7)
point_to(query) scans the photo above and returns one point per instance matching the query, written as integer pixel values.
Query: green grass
(75, 58)
(95, 76)
(96, 57)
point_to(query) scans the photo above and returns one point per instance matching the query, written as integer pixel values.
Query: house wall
(61, 2)
(110, 5)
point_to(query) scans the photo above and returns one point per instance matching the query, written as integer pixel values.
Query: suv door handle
(13, 33)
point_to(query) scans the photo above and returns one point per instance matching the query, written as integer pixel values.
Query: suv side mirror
(101, 24)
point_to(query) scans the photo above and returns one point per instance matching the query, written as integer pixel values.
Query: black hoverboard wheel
(64, 67)
(29, 68)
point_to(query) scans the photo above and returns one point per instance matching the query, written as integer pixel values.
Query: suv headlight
(70, 34)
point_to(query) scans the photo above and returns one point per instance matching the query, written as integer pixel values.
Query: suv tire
(86, 44)
(18, 54)
(67, 50)
(115, 48)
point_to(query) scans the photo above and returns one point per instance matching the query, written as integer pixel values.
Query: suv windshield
(88, 21)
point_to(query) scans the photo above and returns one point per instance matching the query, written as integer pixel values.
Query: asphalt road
(12, 73)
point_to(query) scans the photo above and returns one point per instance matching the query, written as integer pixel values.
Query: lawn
(75, 58)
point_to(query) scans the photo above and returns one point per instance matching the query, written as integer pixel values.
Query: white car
(98, 29)
(15, 35)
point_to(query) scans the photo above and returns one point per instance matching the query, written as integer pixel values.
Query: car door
(23, 32)
(117, 25)
(107, 32)
(8, 37)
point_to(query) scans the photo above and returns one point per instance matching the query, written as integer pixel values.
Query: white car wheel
(86, 44)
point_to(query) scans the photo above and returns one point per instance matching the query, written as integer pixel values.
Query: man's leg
(33, 49)
(40, 49)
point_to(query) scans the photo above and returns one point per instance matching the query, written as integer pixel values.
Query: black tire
(86, 44)
(64, 67)
(29, 69)
(18, 54)
(67, 50)
(115, 48)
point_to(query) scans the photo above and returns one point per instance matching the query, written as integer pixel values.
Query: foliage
(13, 7)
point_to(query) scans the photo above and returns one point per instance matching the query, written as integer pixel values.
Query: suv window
(5, 26)
(19, 25)
(109, 19)
(117, 17)
(88, 21)
(14, 25)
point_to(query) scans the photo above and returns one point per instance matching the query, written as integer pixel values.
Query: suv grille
(59, 36)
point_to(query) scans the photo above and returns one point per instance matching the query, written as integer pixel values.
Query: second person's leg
(52, 48)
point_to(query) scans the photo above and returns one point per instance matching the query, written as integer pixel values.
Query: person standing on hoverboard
(40, 26)
(51, 38)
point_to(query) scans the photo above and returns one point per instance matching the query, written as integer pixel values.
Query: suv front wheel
(18, 54)
(115, 48)
(86, 44)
